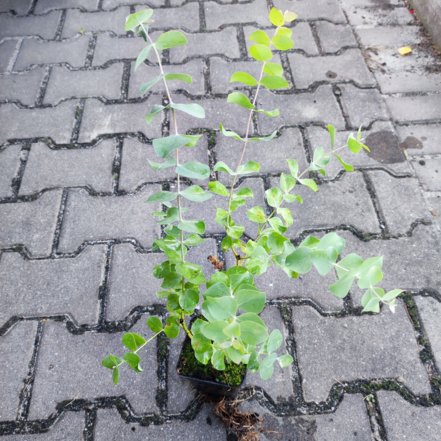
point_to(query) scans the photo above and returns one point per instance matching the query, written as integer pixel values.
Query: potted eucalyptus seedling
(220, 314)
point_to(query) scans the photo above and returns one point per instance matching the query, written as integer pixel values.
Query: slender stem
(184, 326)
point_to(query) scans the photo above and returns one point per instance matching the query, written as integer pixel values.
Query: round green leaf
(240, 99)
(276, 17)
(133, 341)
(244, 78)
(170, 39)
(260, 52)
(154, 323)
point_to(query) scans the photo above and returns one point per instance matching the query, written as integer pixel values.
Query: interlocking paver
(327, 9)
(110, 427)
(195, 68)
(44, 26)
(375, 16)
(420, 139)
(110, 4)
(362, 106)
(18, 7)
(407, 422)
(301, 34)
(384, 144)
(186, 19)
(109, 47)
(349, 422)
(131, 283)
(89, 218)
(102, 119)
(48, 168)
(402, 258)
(400, 200)
(223, 42)
(135, 169)
(21, 336)
(395, 36)
(47, 5)
(302, 109)
(272, 154)
(72, 51)
(332, 350)
(65, 83)
(50, 287)
(22, 87)
(415, 108)
(68, 359)
(434, 202)
(9, 164)
(430, 312)
(344, 202)
(349, 66)
(334, 37)
(79, 22)
(31, 224)
(7, 52)
(216, 14)
(53, 122)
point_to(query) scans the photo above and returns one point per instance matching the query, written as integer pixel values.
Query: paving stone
(44, 26)
(301, 34)
(180, 391)
(279, 387)
(402, 259)
(103, 119)
(9, 164)
(394, 36)
(35, 51)
(308, 107)
(7, 52)
(65, 83)
(15, 370)
(362, 105)
(434, 202)
(379, 16)
(348, 66)
(217, 111)
(31, 223)
(47, 168)
(271, 155)
(69, 426)
(344, 202)
(406, 422)
(79, 22)
(331, 350)
(110, 4)
(135, 169)
(334, 37)
(53, 122)
(402, 82)
(217, 15)
(349, 422)
(50, 287)
(131, 282)
(379, 4)
(430, 312)
(415, 108)
(195, 68)
(109, 48)
(47, 5)
(67, 359)
(420, 139)
(22, 87)
(327, 9)
(187, 19)
(206, 426)
(400, 200)
(384, 145)
(428, 171)
(221, 71)
(205, 44)
(89, 218)
(18, 7)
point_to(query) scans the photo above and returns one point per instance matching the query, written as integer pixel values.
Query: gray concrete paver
(72, 120)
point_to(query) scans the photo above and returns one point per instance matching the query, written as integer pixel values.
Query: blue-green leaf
(192, 109)
(194, 170)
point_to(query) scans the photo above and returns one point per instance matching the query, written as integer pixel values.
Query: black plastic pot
(208, 386)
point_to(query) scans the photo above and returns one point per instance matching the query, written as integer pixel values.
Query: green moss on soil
(188, 365)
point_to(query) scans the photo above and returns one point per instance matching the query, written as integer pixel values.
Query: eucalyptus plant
(227, 305)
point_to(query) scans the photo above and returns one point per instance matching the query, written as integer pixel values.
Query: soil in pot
(206, 378)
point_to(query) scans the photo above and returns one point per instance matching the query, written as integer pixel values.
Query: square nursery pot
(206, 379)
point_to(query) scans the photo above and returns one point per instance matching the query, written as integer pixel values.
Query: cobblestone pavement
(76, 236)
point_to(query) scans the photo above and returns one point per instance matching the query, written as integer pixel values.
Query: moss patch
(188, 365)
